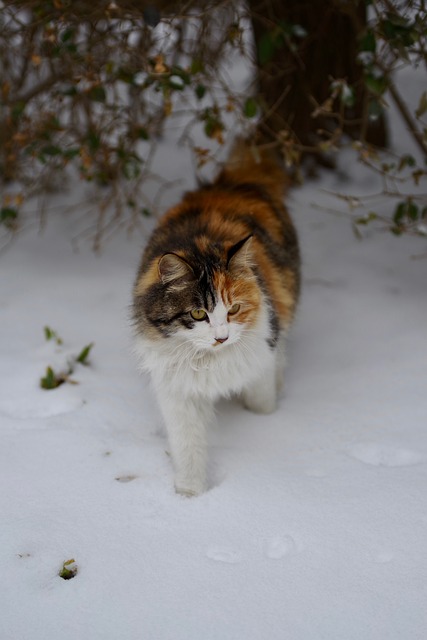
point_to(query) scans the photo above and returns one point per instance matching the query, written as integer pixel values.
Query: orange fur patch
(245, 200)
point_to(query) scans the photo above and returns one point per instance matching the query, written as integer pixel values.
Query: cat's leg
(187, 420)
(280, 363)
(260, 396)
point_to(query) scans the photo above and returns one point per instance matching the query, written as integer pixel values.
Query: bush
(89, 86)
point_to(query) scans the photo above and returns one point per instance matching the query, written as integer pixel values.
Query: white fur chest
(176, 367)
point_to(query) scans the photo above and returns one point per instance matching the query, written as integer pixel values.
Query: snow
(315, 524)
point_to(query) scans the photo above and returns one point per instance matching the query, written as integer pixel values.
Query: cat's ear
(172, 267)
(239, 256)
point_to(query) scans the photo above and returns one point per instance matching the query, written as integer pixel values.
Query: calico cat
(214, 297)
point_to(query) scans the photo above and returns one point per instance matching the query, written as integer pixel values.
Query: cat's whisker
(249, 353)
(181, 345)
(185, 356)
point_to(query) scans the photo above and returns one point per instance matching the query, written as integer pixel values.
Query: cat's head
(209, 298)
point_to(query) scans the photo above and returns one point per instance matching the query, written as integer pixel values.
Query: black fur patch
(274, 328)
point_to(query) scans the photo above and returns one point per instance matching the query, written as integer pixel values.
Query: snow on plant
(68, 570)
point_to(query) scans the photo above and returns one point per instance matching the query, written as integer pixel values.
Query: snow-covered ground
(315, 525)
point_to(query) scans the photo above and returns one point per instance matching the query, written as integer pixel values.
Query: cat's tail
(248, 164)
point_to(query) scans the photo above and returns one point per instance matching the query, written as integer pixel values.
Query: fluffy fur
(214, 297)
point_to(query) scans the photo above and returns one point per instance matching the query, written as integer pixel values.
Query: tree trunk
(296, 67)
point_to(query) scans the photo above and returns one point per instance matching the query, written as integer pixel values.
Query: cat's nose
(221, 340)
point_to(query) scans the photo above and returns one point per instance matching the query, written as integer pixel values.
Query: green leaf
(200, 91)
(125, 75)
(398, 30)
(151, 15)
(406, 161)
(422, 105)
(406, 209)
(18, 109)
(266, 48)
(412, 211)
(51, 380)
(93, 140)
(399, 213)
(196, 66)
(97, 94)
(368, 42)
(272, 41)
(50, 334)
(67, 35)
(142, 133)
(8, 213)
(70, 91)
(69, 154)
(250, 108)
(51, 150)
(213, 126)
(367, 219)
(68, 569)
(84, 354)
(397, 19)
(131, 168)
(181, 73)
(71, 48)
(376, 84)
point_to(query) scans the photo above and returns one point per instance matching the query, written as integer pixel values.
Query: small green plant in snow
(68, 569)
(53, 379)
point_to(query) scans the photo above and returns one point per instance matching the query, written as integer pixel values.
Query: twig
(406, 115)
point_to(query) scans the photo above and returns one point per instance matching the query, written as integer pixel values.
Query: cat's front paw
(261, 405)
(189, 489)
(261, 395)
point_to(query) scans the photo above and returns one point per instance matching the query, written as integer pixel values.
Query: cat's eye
(198, 314)
(234, 309)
